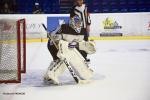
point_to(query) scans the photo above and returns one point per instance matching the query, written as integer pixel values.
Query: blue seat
(148, 9)
(96, 9)
(141, 2)
(133, 8)
(47, 10)
(123, 9)
(105, 2)
(122, 2)
(55, 9)
(115, 9)
(148, 2)
(113, 2)
(106, 9)
(144, 8)
(88, 1)
(132, 2)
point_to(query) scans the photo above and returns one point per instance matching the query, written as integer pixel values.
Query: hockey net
(12, 50)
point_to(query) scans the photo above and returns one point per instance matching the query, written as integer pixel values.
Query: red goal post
(22, 31)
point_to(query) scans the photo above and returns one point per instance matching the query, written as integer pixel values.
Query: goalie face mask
(76, 23)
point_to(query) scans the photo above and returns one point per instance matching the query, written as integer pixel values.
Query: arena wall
(104, 26)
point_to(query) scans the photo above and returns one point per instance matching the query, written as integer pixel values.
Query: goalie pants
(86, 36)
(53, 50)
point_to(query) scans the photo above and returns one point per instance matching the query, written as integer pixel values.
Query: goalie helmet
(76, 23)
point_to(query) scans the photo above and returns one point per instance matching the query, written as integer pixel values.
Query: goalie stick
(76, 78)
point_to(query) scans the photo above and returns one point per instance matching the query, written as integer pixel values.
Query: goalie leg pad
(75, 59)
(55, 70)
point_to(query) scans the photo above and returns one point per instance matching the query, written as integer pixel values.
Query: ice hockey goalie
(67, 44)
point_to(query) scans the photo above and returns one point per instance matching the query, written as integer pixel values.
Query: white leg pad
(75, 59)
(55, 70)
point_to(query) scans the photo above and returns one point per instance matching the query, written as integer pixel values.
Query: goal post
(22, 32)
(12, 50)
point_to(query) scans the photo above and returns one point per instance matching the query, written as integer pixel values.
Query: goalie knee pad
(55, 69)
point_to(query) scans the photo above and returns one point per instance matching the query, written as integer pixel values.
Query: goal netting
(12, 50)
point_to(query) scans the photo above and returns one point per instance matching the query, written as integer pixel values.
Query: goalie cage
(12, 50)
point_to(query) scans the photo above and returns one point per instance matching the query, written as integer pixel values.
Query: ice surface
(122, 72)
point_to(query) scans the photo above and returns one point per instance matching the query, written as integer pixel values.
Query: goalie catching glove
(87, 46)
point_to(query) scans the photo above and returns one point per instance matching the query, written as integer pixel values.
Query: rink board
(100, 38)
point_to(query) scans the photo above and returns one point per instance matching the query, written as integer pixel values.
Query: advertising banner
(102, 24)
(54, 21)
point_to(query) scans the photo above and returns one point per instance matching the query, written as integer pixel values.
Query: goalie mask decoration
(76, 23)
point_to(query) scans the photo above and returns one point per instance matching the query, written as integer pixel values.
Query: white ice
(121, 67)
